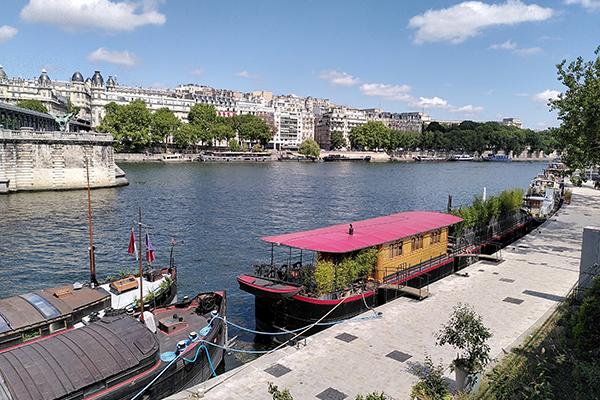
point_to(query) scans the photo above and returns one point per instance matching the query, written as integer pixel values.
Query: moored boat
(119, 357)
(461, 157)
(497, 158)
(350, 263)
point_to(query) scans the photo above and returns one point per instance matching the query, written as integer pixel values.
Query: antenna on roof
(350, 230)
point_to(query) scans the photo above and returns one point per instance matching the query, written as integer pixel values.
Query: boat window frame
(396, 249)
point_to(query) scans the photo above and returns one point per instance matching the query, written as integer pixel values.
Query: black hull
(295, 312)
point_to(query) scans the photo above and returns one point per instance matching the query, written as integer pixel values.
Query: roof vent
(350, 230)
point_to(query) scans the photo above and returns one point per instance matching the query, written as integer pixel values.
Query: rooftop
(366, 233)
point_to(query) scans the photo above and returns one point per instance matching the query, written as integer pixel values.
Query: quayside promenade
(514, 297)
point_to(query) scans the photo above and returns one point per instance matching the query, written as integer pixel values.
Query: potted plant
(466, 332)
(568, 194)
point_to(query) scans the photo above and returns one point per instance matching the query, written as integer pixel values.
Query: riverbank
(514, 297)
(372, 156)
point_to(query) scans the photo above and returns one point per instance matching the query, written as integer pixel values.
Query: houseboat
(47, 311)
(236, 156)
(346, 157)
(461, 157)
(497, 158)
(341, 267)
(120, 357)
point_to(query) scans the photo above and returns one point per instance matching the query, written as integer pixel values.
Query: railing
(7, 134)
(400, 275)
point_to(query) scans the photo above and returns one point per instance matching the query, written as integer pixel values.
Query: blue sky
(455, 60)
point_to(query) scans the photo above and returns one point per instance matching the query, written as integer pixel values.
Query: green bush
(586, 330)
(234, 145)
(330, 276)
(431, 385)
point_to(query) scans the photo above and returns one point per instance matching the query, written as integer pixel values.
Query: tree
(337, 140)
(234, 145)
(578, 110)
(185, 136)
(466, 332)
(309, 148)
(253, 128)
(202, 117)
(222, 130)
(372, 135)
(164, 124)
(129, 124)
(34, 105)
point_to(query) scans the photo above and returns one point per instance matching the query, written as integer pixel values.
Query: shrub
(279, 394)
(585, 330)
(466, 332)
(330, 276)
(234, 145)
(431, 385)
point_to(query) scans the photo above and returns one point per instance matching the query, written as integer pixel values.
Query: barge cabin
(400, 247)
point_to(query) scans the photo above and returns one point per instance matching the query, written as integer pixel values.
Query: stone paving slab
(540, 270)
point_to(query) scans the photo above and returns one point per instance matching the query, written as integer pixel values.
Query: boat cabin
(43, 312)
(402, 241)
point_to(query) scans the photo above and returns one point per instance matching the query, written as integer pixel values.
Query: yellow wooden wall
(386, 265)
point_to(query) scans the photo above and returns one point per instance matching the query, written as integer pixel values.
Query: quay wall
(31, 161)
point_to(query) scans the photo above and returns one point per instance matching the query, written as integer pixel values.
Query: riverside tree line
(467, 136)
(135, 127)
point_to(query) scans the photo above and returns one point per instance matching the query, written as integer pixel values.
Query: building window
(436, 236)
(396, 249)
(417, 242)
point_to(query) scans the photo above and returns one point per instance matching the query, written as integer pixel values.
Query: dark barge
(119, 357)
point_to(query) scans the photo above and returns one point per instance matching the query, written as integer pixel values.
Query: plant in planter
(568, 195)
(466, 332)
(431, 385)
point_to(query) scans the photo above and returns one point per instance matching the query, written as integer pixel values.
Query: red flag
(132, 249)
(150, 256)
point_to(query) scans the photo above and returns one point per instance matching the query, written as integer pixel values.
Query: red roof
(367, 233)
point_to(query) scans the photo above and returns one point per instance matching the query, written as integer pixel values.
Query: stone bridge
(50, 160)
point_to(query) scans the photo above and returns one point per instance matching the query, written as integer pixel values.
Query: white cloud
(389, 92)
(431, 102)
(7, 33)
(108, 15)
(124, 58)
(546, 95)
(246, 74)
(459, 22)
(339, 78)
(468, 109)
(198, 71)
(508, 45)
(588, 4)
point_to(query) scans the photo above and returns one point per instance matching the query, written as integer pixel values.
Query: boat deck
(513, 297)
(183, 320)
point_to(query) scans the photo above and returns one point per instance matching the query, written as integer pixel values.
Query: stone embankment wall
(55, 161)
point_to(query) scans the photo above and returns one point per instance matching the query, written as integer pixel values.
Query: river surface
(217, 214)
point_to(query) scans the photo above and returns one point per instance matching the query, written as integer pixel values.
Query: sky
(477, 60)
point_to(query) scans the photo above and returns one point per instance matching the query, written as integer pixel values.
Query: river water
(217, 213)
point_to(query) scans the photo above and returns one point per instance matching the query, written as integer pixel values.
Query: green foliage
(481, 213)
(202, 117)
(234, 145)
(466, 332)
(252, 128)
(337, 140)
(309, 148)
(331, 277)
(431, 385)
(257, 148)
(586, 330)
(222, 130)
(578, 108)
(163, 124)
(279, 394)
(186, 135)
(129, 124)
(468, 136)
(34, 105)
(372, 396)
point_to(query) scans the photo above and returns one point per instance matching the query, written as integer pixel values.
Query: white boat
(461, 157)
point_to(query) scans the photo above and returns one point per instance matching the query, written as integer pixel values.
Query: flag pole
(93, 279)
(141, 268)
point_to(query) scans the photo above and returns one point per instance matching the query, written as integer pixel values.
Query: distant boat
(461, 157)
(428, 159)
(497, 158)
(235, 156)
(341, 157)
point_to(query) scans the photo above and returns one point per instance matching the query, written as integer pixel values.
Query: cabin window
(417, 242)
(396, 249)
(32, 334)
(58, 326)
(436, 236)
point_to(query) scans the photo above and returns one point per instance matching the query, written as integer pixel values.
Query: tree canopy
(164, 124)
(129, 124)
(34, 105)
(468, 136)
(337, 140)
(252, 128)
(309, 148)
(578, 110)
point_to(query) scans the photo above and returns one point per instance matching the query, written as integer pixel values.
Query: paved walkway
(513, 298)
